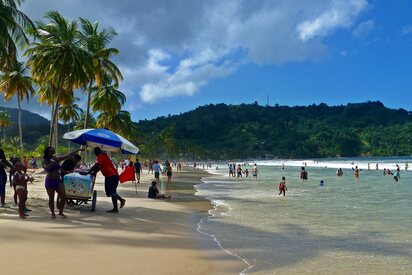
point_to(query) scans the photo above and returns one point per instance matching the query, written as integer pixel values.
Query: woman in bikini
(53, 180)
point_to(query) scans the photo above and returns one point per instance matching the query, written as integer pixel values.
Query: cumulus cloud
(363, 28)
(174, 48)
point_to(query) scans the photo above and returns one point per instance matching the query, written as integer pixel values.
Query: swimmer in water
(282, 187)
(321, 183)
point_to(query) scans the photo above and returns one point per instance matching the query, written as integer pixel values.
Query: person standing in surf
(282, 187)
(356, 172)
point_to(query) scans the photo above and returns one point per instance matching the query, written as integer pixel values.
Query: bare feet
(53, 216)
(122, 203)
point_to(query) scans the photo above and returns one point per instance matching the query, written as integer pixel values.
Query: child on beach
(282, 187)
(20, 183)
(154, 192)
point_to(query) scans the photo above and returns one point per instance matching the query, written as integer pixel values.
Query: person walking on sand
(137, 169)
(3, 178)
(111, 178)
(20, 183)
(169, 173)
(156, 169)
(53, 182)
(282, 187)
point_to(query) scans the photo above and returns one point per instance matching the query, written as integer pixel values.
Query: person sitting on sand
(282, 187)
(20, 183)
(53, 182)
(154, 192)
(111, 178)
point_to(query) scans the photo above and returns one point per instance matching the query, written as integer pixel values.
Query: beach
(146, 237)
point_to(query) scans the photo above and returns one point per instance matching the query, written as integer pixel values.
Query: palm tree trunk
(20, 128)
(51, 126)
(53, 130)
(68, 130)
(89, 95)
(56, 125)
(4, 132)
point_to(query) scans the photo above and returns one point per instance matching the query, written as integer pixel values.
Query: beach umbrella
(103, 138)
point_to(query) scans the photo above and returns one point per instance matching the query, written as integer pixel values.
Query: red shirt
(106, 165)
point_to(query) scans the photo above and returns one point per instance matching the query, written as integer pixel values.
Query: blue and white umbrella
(105, 139)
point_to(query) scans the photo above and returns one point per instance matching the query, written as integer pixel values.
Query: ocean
(349, 226)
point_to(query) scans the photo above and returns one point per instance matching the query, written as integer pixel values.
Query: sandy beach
(146, 237)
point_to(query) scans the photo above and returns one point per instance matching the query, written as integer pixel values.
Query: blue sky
(177, 55)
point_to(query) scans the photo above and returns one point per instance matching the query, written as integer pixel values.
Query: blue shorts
(3, 180)
(156, 175)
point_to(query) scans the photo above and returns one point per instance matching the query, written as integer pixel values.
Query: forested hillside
(253, 131)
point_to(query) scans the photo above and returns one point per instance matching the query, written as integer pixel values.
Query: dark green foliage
(252, 131)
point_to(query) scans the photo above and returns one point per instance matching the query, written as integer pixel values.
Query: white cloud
(174, 48)
(340, 14)
(363, 28)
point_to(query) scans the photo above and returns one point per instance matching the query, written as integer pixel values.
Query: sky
(181, 54)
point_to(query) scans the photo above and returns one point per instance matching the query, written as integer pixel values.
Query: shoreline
(147, 236)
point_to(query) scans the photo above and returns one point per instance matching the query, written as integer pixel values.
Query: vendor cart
(80, 189)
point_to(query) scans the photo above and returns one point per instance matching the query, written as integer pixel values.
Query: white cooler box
(77, 185)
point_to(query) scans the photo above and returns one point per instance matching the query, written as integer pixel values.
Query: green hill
(252, 131)
(34, 126)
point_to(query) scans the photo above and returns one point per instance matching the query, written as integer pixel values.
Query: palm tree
(5, 120)
(120, 123)
(69, 113)
(58, 61)
(91, 122)
(13, 144)
(108, 99)
(96, 42)
(16, 83)
(12, 36)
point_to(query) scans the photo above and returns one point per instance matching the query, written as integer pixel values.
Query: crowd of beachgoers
(19, 172)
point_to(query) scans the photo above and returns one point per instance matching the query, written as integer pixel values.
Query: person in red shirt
(282, 187)
(111, 181)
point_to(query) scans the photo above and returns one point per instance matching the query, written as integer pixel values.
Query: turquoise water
(351, 225)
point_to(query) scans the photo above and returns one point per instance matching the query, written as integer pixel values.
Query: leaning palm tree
(16, 83)
(96, 43)
(58, 60)
(69, 113)
(5, 120)
(12, 36)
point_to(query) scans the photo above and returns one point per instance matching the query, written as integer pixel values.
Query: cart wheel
(94, 200)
